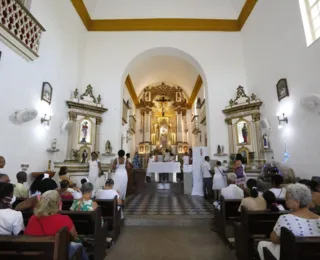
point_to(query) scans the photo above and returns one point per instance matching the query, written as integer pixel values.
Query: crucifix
(163, 100)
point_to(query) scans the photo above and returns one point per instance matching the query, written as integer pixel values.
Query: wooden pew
(66, 204)
(112, 215)
(88, 224)
(253, 226)
(295, 248)
(227, 214)
(26, 247)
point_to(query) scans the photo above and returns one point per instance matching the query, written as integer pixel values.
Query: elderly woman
(300, 221)
(47, 222)
(254, 202)
(85, 203)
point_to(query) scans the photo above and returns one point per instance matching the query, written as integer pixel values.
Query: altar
(164, 167)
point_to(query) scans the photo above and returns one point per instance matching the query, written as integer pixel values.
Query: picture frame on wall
(282, 89)
(46, 94)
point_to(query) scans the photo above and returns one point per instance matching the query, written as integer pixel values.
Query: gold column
(72, 135)
(97, 141)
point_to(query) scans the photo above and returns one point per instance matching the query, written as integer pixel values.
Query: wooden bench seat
(28, 247)
(254, 226)
(296, 248)
(88, 224)
(111, 214)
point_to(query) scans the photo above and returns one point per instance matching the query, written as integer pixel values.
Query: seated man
(20, 191)
(232, 191)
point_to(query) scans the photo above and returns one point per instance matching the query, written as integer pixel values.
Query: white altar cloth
(164, 167)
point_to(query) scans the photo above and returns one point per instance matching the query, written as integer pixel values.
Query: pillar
(179, 126)
(72, 134)
(147, 130)
(230, 136)
(97, 141)
(256, 118)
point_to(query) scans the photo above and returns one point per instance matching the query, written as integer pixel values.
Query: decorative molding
(164, 24)
(132, 91)
(195, 91)
(246, 11)
(82, 12)
(82, 106)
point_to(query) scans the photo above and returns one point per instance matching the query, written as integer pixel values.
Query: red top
(47, 226)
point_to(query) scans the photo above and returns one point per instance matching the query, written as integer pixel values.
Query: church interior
(152, 102)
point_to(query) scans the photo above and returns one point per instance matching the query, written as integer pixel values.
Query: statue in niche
(54, 144)
(219, 149)
(84, 156)
(245, 133)
(108, 147)
(265, 141)
(222, 149)
(85, 132)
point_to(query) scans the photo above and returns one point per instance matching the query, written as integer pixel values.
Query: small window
(310, 11)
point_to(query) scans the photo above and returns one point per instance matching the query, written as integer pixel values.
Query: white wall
(60, 53)
(219, 55)
(275, 47)
(125, 9)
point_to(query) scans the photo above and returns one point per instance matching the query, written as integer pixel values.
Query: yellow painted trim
(132, 91)
(164, 24)
(246, 11)
(82, 12)
(195, 91)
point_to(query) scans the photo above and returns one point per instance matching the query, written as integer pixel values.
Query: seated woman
(254, 202)
(277, 181)
(63, 174)
(34, 188)
(271, 201)
(85, 203)
(47, 222)
(11, 221)
(63, 191)
(315, 192)
(300, 221)
(45, 185)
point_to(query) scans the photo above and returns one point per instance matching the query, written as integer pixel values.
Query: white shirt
(77, 195)
(106, 194)
(186, 159)
(279, 193)
(160, 158)
(205, 169)
(232, 192)
(11, 222)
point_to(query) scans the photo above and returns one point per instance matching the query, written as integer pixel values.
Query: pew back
(26, 247)
(66, 204)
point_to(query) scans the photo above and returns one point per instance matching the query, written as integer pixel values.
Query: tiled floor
(169, 243)
(166, 202)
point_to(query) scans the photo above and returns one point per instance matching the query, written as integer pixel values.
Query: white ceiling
(168, 69)
(126, 9)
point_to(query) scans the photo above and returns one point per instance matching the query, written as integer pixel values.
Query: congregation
(45, 201)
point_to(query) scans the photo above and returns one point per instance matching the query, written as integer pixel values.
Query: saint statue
(219, 149)
(84, 156)
(54, 144)
(245, 133)
(84, 130)
(265, 141)
(108, 147)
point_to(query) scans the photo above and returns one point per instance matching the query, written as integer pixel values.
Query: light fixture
(45, 120)
(282, 119)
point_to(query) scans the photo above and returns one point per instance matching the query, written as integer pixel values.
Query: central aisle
(169, 243)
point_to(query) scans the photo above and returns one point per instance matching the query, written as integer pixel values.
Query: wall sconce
(45, 120)
(282, 119)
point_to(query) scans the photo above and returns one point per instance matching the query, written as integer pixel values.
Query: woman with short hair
(278, 190)
(85, 203)
(300, 221)
(120, 178)
(254, 202)
(47, 222)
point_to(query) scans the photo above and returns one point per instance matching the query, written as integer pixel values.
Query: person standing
(239, 171)
(207, 178)
(218, 180)
(120, 178)
(186, 159)
(94, 170)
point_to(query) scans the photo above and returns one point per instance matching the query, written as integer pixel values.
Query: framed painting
(282, 89)
(46, 94)
(85, 131)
